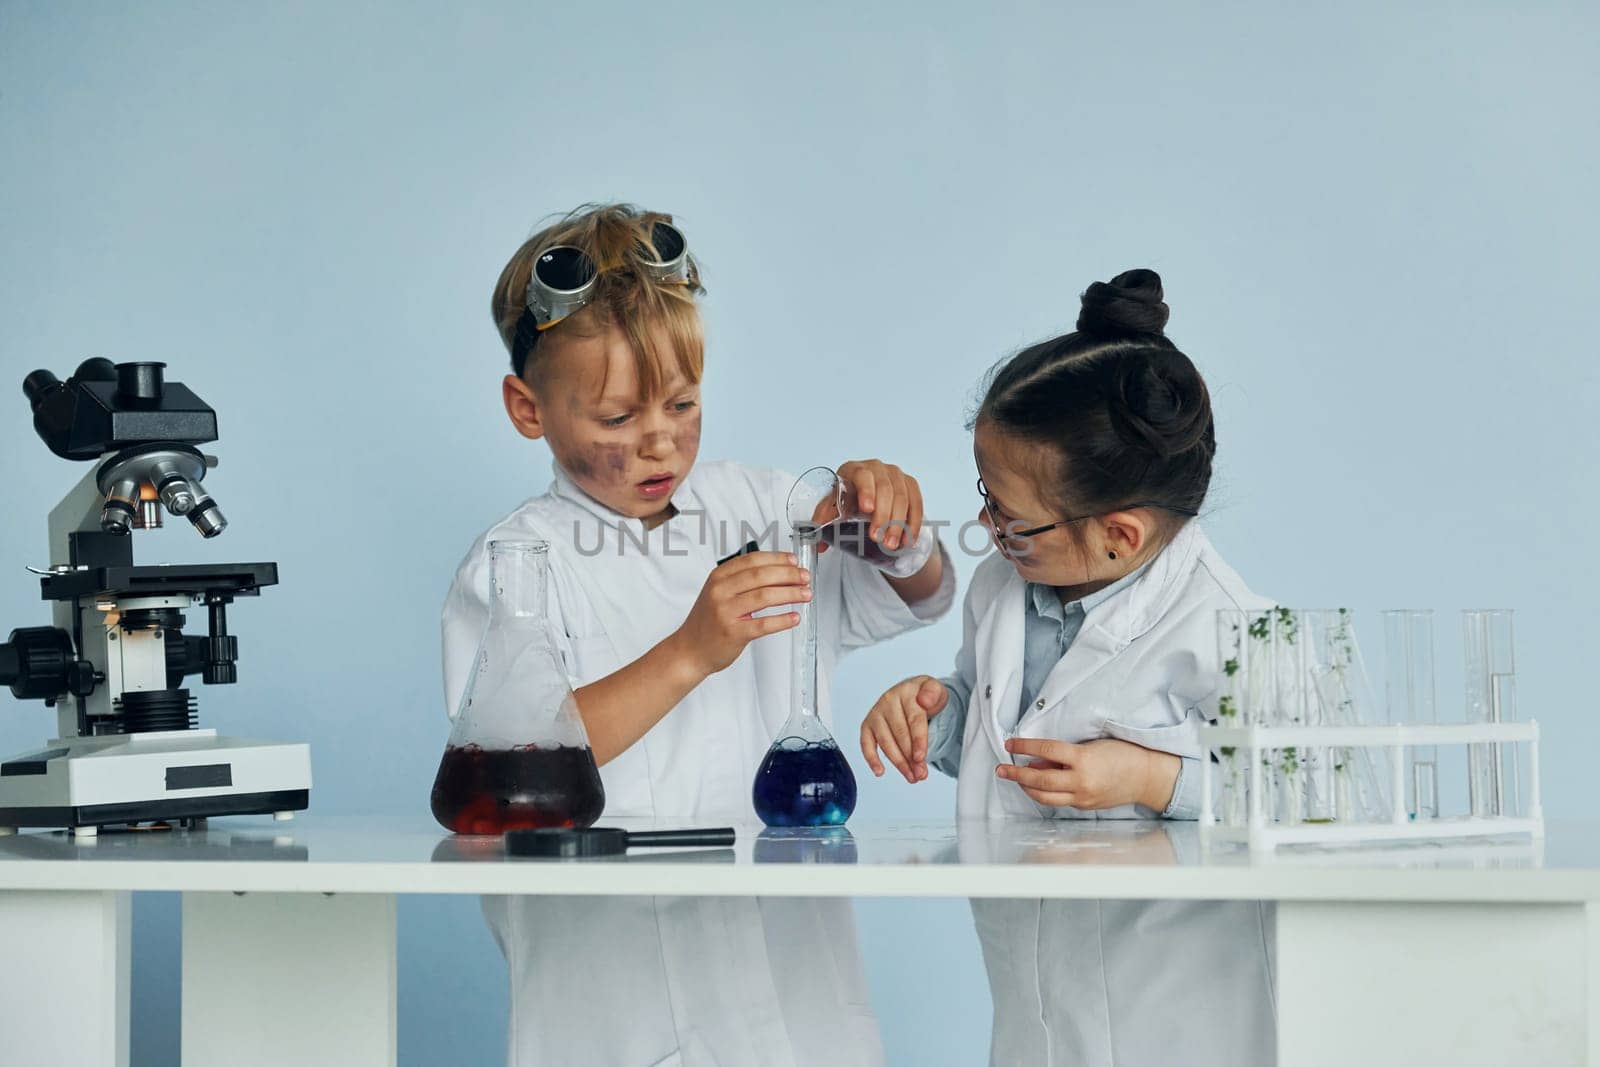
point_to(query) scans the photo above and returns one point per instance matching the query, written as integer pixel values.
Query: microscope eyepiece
(95, 369)
(39, 385)
(140, 384)
(106, 407)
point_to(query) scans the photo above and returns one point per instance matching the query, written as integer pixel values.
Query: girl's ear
(1126, 533)
(522, 407)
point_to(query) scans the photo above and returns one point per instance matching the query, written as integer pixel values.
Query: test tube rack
(1262, 833)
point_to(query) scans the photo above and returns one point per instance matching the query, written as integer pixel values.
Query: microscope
(128, 749)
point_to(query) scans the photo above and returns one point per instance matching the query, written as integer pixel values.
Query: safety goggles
(564, 277)
(1015, 542)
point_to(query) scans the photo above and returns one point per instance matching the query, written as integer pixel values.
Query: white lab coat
(1112, 982)
(680, 980)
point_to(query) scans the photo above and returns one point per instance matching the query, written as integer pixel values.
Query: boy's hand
(888, 496)
(720, 623)
(898, 724)
(1104, 773)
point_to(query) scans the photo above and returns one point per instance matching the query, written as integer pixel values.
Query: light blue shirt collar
(1047, 604)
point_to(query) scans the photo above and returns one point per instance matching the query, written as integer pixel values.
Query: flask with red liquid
(518, 756)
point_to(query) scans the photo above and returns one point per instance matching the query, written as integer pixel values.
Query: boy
(678, 692)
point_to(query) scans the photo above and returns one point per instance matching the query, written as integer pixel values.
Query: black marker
(749, 547)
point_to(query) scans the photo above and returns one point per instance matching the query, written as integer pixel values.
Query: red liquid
(851, 536)
(490, 791)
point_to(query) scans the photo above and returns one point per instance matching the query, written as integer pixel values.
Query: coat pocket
(1180, 740)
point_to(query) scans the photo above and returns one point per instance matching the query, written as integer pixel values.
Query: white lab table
(1484, 952)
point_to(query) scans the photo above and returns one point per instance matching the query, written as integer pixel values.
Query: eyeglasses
(1012, 541)
(1007, 538)
(564, 277)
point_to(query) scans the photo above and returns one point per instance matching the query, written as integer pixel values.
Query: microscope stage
(160, 579)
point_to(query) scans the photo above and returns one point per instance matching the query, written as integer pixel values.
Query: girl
(681, 685)
(1088, 656)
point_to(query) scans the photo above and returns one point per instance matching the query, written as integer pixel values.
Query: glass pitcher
(518, 756)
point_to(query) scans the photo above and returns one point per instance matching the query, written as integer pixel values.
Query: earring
(1112, 554)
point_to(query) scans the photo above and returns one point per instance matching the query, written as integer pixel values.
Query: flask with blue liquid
(804, 780)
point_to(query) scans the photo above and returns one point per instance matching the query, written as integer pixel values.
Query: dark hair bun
(1161, 404)
(1129, 305)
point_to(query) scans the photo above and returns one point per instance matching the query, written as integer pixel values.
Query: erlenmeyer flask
(804, 779)
(518, 756)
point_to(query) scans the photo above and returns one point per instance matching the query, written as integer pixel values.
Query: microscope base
(181, 774)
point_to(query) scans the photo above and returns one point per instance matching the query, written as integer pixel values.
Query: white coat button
(1039, 704)
(988, 692)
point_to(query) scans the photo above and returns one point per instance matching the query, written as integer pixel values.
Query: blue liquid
(801, 784)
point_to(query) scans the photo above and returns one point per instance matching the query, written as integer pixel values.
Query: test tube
(1288, 707)
(1231, 711)
(1328, 770)
(1408, 692)
(1259, 704)
(1491, 690)
(1362, 775)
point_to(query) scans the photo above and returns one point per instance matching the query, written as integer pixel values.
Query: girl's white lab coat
(680, 980)
(1086, 982)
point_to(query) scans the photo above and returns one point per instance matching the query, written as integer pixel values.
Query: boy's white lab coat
(1087, 982)
(680, 980)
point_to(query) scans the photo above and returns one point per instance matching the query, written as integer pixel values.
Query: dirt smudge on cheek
(687, 439)
(604, 463)
(578, 464)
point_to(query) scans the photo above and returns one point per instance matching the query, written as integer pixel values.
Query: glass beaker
(804, 780)
(1408, 692)
(821, 500)
(518, 756)
(1491, 688)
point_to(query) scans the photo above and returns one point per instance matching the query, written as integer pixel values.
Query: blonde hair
(660, 319)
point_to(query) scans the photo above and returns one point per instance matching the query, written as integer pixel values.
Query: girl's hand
(720, 624)
(898, 724)
(888, 496)
(1105, 773)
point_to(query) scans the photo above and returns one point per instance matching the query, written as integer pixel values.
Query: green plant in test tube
(1230, 630)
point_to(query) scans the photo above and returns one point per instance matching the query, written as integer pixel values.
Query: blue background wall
(1376, 224)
